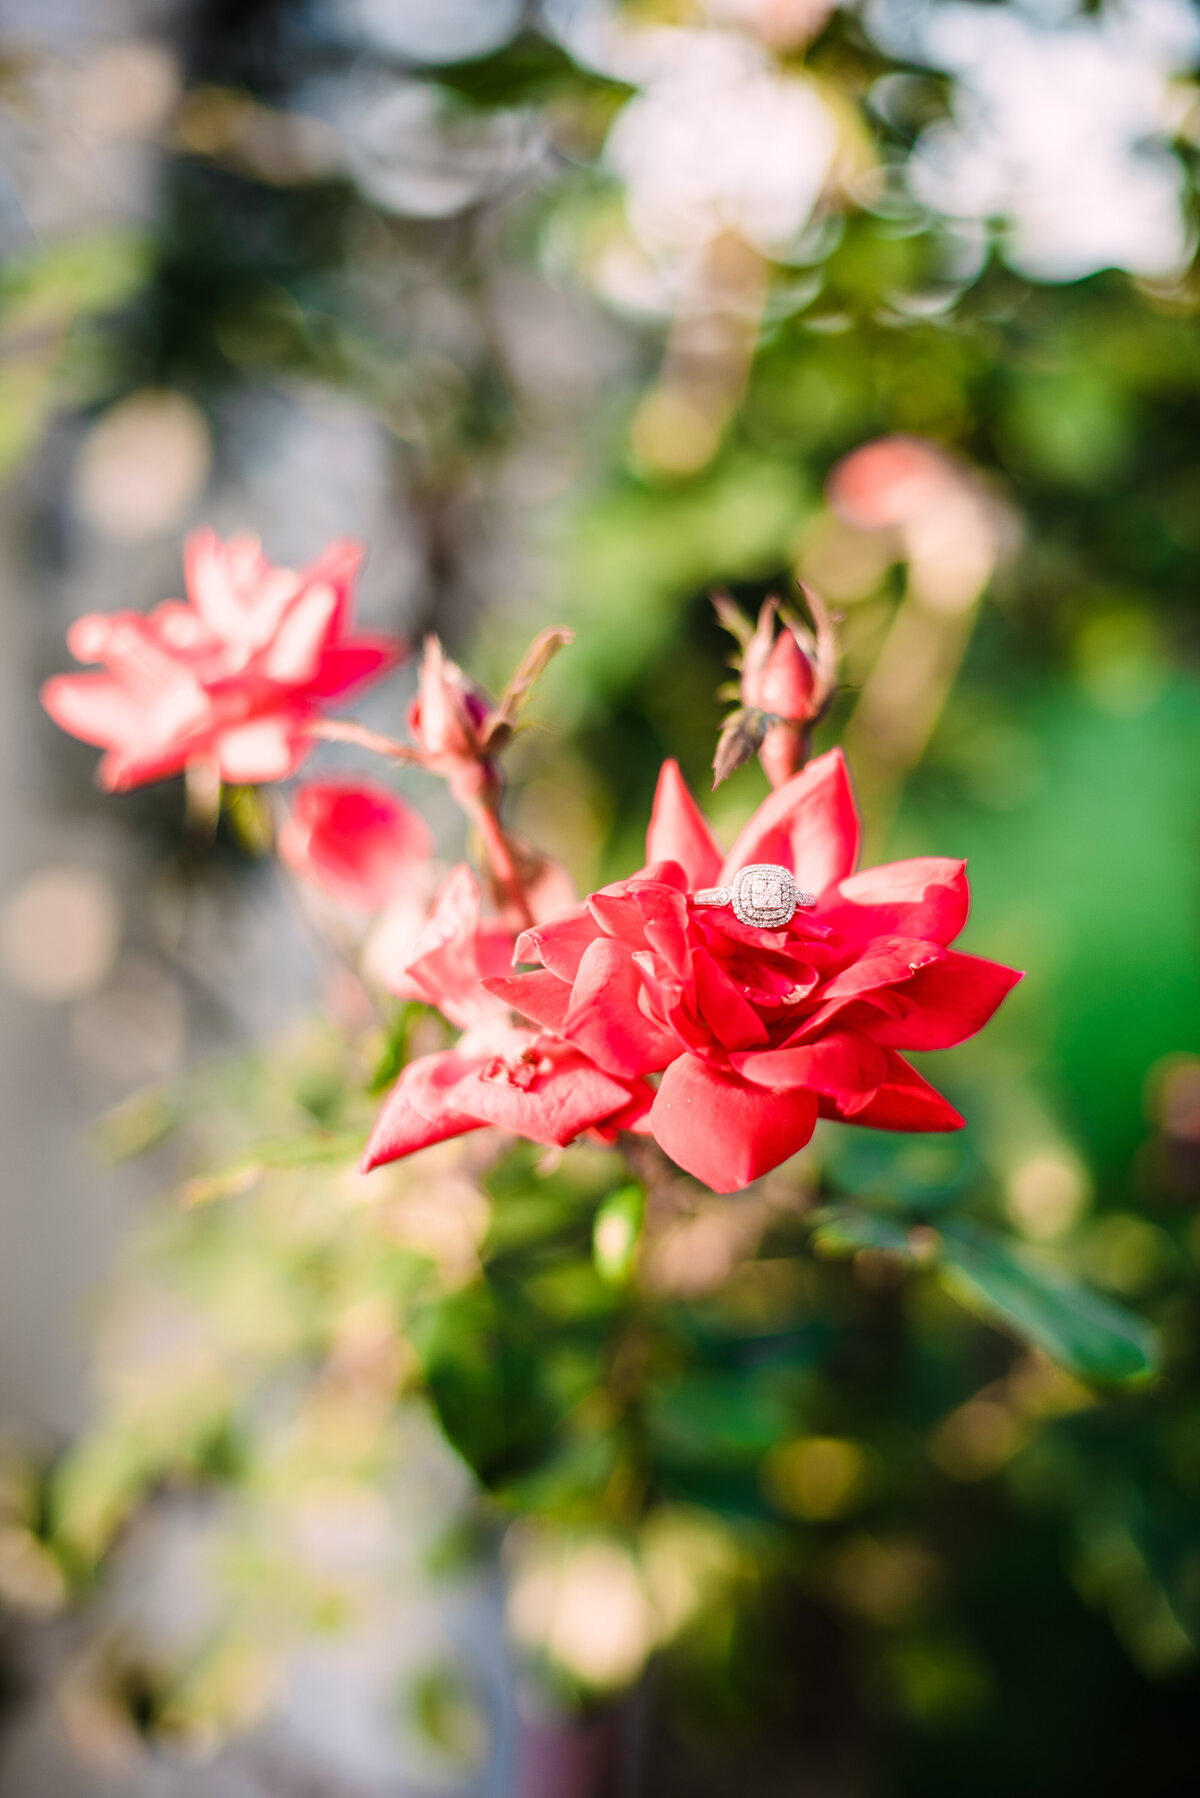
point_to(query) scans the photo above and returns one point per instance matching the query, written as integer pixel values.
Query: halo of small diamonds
(764, 894)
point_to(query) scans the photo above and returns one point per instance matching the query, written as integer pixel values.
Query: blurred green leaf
(46, 287)
(718, 1417)
(394, 1053)
(241, 1175)
(615, 1233)
(137, 1124)
(42, 293)
(529, 69)
(1084, 1332)
(483, 1368)
(1077, 1327)
(842, 1229)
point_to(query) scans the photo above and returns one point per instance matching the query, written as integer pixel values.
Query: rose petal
(350, 663)
(924, 897)
(881, 964)
(635, 1117)
(93, 707)
(605, 1019)
(730, 1017)
(679, 831)
(559, 945)
(549, 1095)
(268, 748)
(722, 1129)
(539, 996)
(357, 840)
(337, 566)
(404, 1125)
(845, 1064)
(903, 1101)
(810, 825)
(457, 951)
(946, 1002)
(293, 655)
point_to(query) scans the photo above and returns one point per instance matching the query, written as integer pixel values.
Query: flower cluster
(641, 1009)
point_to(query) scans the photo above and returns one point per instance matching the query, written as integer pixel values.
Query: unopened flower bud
(784, 685)
(447, 715)
(787, 674)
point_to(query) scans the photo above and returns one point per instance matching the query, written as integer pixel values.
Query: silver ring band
(764, 894)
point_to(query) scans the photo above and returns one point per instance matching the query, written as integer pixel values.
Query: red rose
(757, 1032)
(355, 839)
(532, 1083)
(233, 676)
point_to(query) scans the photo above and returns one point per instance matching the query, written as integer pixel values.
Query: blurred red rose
(530, 1082)
(233, 676)
(356, 840)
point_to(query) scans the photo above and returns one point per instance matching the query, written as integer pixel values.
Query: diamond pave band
(763, 894)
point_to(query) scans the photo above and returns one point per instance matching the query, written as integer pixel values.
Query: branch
(344, 730)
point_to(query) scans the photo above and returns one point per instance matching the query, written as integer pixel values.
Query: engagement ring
(761, 894)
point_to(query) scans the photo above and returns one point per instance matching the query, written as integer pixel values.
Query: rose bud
(448, 721)
(786, 683)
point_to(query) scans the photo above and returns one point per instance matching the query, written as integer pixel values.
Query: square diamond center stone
(764, 894)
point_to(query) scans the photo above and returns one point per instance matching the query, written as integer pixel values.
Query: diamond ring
(763, 894)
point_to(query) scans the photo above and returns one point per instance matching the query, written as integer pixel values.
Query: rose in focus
(755, 1032)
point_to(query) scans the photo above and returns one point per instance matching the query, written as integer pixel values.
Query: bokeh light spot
(59, 933)
(143, 466)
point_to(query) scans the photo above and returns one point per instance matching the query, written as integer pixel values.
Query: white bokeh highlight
(720, 139)
(1061, 128)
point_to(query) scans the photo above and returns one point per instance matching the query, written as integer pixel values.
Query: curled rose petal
(904, 1100)
(809, 825)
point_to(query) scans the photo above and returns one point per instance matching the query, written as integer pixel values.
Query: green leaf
(843, 1229)
(616, 1232)
(394, 1053)
(46, 287)
(484, 1367)
(243, 1175)
(527, 70)
(1090, 1335)
(715, 1417)
(136, 1124)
